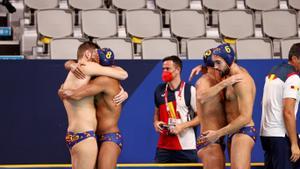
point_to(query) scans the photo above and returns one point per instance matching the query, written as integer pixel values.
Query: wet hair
(176, 60)
(88, 45)
(294, 51)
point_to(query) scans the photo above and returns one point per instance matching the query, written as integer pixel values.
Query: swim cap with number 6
(225, 52)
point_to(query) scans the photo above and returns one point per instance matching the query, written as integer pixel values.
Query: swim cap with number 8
(106, 56)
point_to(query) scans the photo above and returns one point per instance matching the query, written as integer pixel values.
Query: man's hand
(60, 92)
(157, 126)
(196, 70)
(120, 97)
(233, 79)
(211, 136)
(65, 94)
(295, 153)
(177, 129)
(75, 69)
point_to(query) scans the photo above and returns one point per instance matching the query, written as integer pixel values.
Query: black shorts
(175, 156)
(277, 153)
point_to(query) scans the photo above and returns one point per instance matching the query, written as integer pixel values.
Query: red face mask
(166, 76)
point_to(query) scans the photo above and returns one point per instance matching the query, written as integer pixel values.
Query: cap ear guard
(106, 57)
(207, 57)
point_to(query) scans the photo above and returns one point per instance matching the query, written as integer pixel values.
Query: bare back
(81, 113)
(232, 106)
(108, 113)
(212, 115)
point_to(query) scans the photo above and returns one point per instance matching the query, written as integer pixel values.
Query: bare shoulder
(201, 80)
(247, 83)
(204, 81)
(246, 75)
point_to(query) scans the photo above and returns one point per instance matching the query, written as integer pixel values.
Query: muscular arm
(245, 107)
(290, 119)
(156, 121)
(92, 88)
(201, 85)
(289, 103)
(208, 93)
(155, 118)
(198, 104)
(95, 69)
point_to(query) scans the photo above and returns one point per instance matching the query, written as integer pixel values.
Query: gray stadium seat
(41, 4)
(86, 4)
(262, 4)
(286, 44)
(187, 23)
(122, 47)
(280, 23)
(158, 48)
(294, 4)
(236, 23)
(99, 23)
(254, 48)
(219, 4)
(129, 4)
(143, 23)
(54, 23)
(197, 46)
(64, 48)
(32, 5)
(172, 4)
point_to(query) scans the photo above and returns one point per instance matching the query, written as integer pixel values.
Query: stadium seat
(295, 4)
(219, 4)
(254, 48)
(236, 23)
(35, 4)
(262, 4)
(158, 48)
(64, 48)
(187, 23)
(85, 4)
(285, 45)
(197, 46)
(54, 23)
(280, 23)
(122, 47)
(32, 5)
(100, 23)
(129, 4)
(172, 4)
(143, 23)
(213, 6)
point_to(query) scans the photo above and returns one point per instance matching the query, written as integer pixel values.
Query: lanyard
(172, 113)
